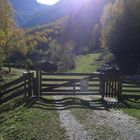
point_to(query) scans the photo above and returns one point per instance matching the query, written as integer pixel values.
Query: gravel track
(127, 127)
(123, 126)
(74, 129)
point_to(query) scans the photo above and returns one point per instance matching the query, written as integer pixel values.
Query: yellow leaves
(40, 37)
(6, 26)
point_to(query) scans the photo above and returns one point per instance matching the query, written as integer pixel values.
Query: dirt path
(117, 125)
(99, 124)
(74, 129)
(125, 126)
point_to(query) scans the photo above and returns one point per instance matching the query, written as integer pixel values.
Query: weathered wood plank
(71, 74)
(12, 89)
(66, 90)
(12, 83)
(61, 80)
(67, 85)
(68, 94)
(12, 96)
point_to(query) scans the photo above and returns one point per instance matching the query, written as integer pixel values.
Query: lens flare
(48, 2)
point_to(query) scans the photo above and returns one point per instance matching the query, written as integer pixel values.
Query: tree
(54, 51)
(94, 42)
(61, 55)
(7, 27)
(121, 33)
(67, 58)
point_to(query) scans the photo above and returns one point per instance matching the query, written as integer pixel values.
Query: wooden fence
(70, 84)
(131, 87)
(20, 86)
(52, 84)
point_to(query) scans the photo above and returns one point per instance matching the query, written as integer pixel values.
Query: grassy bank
(132, 108)
(30, 124)
(18, 122)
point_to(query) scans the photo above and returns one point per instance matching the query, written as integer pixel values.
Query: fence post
(34, 86)
(28, 87)
(119, 96)
(38, 74)
(30, 84)
(40, 82)
(74, 88)
(102, 82)
(25, 84)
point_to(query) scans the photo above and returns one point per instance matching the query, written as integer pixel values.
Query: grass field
(87, 63)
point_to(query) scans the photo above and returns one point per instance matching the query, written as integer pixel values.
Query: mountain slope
(59, 10)
(25, 9)
(67, 8)
(83, 22)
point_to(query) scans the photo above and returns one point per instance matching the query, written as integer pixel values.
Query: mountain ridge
(24, 9)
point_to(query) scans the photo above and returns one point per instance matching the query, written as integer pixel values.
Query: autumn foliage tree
(7, 28)
(12, 39)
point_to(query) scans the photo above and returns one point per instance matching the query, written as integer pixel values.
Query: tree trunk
(9, 67)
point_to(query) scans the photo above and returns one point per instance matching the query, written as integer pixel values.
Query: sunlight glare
(48, 2)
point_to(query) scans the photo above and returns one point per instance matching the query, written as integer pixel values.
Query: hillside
(67, 8)
(52, 13)
(83, 22)
(24, 9)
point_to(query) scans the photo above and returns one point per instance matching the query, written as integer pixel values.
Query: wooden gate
(67, 83)
(52, 84)
(110, 85)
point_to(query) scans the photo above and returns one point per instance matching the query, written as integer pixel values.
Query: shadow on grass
(74, 102)
(12, 104)
(132, 103)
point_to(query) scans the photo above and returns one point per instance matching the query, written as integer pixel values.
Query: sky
(48, 2)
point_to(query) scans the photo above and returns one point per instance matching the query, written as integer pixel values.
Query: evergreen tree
(121, 33)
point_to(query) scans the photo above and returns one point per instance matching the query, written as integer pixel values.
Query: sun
(48, 2)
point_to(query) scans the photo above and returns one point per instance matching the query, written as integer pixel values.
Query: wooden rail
(68, 83)
(15, 88)
(131, 87)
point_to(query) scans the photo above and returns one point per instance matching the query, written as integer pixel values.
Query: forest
(111, 27)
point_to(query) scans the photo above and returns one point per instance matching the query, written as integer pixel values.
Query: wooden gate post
(119, 96)
(34, 86)
(25, 84)
(38, 78)
(74, 88)
(102, 85)
(30, 84)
